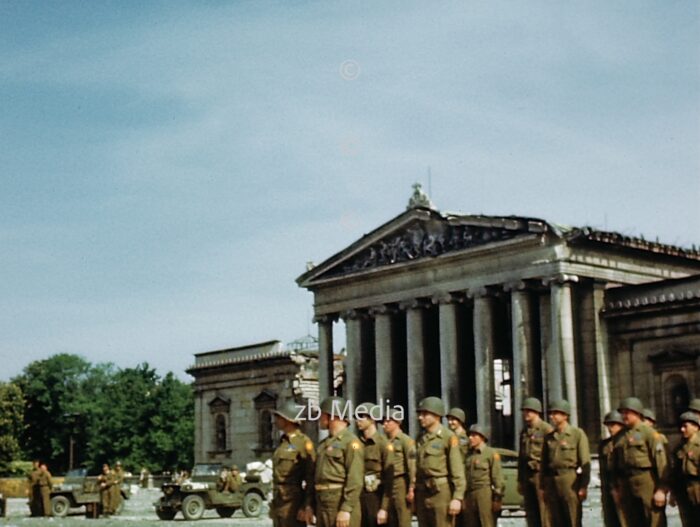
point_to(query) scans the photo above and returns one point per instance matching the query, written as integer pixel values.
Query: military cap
(434, 405)
(694, 405)
(367, 410)
(532, 403)
(613, 417)
(631, 404)
(458, 414)
(394, 414)
(234, 467)
(690, 417)
(335, 406)
(288, 411)
(648, 413)
(478, 429)
(562, 406)
(118, 464)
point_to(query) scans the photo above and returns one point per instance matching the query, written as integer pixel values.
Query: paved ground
(139, 511)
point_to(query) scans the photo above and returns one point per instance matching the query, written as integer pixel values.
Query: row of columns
(559, 354)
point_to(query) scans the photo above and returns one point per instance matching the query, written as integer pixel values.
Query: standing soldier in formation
(649, 418)
(686, 470)
(440, 482)
(640, 468)
(402, 495)
(45, 485)
(566, 468)
(118, 476)
(379, 467)
(529, 461)
(485, 484)
(292, 472)
(613, 422)
(457, 422)
(33, 492)
(339, 469)
(106, 481)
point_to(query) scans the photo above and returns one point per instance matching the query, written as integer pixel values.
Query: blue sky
(168, 168)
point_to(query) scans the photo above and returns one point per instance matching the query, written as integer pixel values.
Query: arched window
(266, 438)
(677, 396)
(220, 432)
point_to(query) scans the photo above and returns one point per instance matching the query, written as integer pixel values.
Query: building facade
(486, 310)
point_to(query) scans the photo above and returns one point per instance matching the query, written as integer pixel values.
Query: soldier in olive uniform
(116, 488)
(292, 471)
(457, 422)
(640, 467)
(529, 459)
(440, 481)
(613, 422)
(485, 483)
(566, 468)
(379, 467)
(686, 470)
(649, 417)
(403, 491)
(339, 475)
(105, 482)
(45, 485)
(33, 491)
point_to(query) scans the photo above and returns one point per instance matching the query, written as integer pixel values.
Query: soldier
(485, 484)
(379, 467)
(116, 488)
(106, 481)
(402, 496)
(292, 471)
(613, 422)
(649, 417)
(339, 469)
(529, 460)
(45, 484)
(33, 491)
(457, 421)
(640, 468)
(686, 470)
(566, 468)
(440, 482)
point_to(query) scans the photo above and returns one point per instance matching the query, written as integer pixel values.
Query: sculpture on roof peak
(419, 198)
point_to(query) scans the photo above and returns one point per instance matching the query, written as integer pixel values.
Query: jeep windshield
(213, 469)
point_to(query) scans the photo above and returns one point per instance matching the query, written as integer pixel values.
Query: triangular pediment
(420, 234)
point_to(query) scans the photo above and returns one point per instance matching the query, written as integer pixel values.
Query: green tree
(11, 424)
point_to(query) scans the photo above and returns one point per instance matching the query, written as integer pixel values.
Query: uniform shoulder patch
(454, 441)
(355, 445)
(309, 446)
(390, 447)
(496, 456)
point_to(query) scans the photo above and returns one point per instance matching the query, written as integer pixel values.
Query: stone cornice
(414, 303)
(560, 279)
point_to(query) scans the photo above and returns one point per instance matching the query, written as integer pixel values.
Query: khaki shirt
(463, 442)
(687, 458)
(483, 469)
(438, 456)
(567, 450)
(531, 444)
(641, 449)
(293, 463)
(405, 457)
(379, 466)
(44, 479)
(606, 450)
(339, 460)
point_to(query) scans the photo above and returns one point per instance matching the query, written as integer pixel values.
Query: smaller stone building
(237, 389)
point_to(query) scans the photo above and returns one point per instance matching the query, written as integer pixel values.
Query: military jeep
(513, 501)
(199, 493)
(77, 490)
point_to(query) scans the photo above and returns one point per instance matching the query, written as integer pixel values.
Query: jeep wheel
(225, 512)
(252, 505)
(193, 507)
(60, 506)
(165, 514)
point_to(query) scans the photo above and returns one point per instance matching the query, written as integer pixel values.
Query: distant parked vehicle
(78, 490)
(512, 499)
(199, 493)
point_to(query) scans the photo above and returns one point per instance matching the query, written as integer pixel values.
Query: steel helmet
(690, 417)
(562, 406)
(532, 403)
(289, 411)
(613, 417)
(434, 405)
(694, 405)
(458, 414)
(478, 429)
(632, 404)
(648, 413)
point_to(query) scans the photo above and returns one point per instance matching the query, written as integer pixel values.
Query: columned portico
(449, 348)
(484, 356)
(384, 346)
(354, 361)
(415, 358)
(325, 356)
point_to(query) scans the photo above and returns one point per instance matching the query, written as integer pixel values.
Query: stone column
(325, 356)
(415, 360)
(449, 352)
(384, 351)
(562, 348)
(523, 366)
(484, 356)
(354, 358)
(601, 351)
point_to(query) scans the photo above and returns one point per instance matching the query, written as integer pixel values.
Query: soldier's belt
(328, 486)
(637, 471)
(433, 483)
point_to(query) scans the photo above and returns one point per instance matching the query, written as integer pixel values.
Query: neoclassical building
(486, 310)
